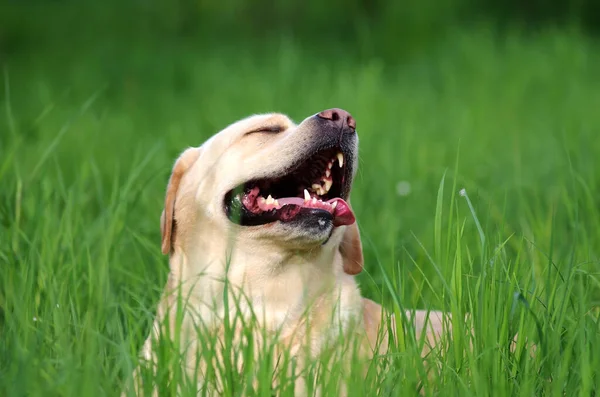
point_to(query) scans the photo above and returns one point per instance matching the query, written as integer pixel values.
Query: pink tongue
(342, 214)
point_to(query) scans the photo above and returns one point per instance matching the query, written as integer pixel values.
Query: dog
(262, 208)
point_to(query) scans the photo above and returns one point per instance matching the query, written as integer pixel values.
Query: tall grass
(85, 151)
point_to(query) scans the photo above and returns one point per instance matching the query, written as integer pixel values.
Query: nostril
(335, 116)
(351, 122)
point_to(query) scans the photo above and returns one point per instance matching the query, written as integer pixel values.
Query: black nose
(339, 117)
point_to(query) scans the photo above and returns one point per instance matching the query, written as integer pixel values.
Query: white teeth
(328, 184)
(340, 158)
(328, 173)
(276, 203)
(270, 200)
(306, 195)
(330, 164)
(334, 205)
(314, 200)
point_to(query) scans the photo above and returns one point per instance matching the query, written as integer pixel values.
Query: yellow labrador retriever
(263, 207)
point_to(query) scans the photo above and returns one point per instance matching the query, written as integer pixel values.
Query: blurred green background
(98, 98)
(501, 96)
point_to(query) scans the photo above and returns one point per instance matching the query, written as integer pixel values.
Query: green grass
(87, 142)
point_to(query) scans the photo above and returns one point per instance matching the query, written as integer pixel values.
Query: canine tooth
(328, 184)
(334, 205)
(306, 195)
(328, 173)
(270, 200)
(340, 158)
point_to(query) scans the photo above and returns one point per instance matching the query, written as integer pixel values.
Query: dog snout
(340, 118)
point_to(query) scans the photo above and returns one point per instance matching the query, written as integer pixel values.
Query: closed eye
(271, 129)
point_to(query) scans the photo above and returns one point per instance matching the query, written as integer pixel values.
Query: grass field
(87, 142)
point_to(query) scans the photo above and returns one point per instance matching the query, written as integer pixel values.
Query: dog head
(265, 178)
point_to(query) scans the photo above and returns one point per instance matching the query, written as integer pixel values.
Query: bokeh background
(502, 96)
(98, 98)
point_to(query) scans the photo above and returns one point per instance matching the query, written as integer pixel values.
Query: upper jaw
(340, 152)
(327, 170)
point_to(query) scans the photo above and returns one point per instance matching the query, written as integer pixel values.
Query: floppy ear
(351, 250)
(183, 163)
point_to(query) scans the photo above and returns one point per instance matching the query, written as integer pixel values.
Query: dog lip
(332, 166)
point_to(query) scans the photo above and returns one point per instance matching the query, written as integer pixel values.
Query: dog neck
(293, 282)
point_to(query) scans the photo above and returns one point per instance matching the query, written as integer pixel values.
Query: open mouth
(315, 187)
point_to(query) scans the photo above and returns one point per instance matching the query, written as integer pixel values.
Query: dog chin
(308, 231)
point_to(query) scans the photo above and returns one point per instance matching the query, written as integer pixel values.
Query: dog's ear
(183, 163)
(351, 250)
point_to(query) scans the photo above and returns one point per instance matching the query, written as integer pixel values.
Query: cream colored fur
(301, 290)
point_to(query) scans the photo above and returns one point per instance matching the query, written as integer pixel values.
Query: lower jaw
(286, 214)
(335, 210)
